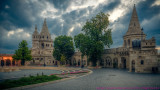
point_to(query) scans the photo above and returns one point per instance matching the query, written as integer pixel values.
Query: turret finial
(36, 27)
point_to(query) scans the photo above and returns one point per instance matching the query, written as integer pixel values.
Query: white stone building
(42, 46)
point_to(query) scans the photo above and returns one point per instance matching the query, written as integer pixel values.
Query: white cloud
(7, 7)
(49, 11)
(10, 33)
(117, 13)
(53, 36)
(18, 33)
(156, 3)
(70, 30)
(80, 5)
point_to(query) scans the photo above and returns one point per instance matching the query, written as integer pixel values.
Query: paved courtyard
(105, 78)
(25, 73)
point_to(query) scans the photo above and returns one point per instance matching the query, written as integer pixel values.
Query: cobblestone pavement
(105, 78)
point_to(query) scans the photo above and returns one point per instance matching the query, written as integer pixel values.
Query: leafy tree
(23, 53)
(63, 59)
(95, 37)
(83, 43)
(63, 45)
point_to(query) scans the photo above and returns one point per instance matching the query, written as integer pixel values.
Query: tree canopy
(63, 48)
(95, 37)
(23, 53)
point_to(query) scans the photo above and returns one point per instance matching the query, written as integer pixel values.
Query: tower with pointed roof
(134, 32)
(137, 54)
(42, 46)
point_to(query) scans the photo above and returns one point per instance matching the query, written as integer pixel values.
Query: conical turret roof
(35, 32)
(44, 30)
(134, 25)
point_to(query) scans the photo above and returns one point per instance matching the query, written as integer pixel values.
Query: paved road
(105, 78)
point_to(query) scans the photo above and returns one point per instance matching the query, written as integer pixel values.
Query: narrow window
(128, 42)
(142, 62)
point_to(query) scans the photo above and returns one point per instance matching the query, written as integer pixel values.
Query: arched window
(128, 42)
(42, 45)
(142, 62)
(47, 37)
(134, 24)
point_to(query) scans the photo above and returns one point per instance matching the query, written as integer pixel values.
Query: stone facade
(7, 60)
(137, 54)
(42, 46)
(77, 60)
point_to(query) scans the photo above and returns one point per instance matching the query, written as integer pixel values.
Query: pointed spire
(36, 27)
(36, 32)
(134, 26)
(44, 28)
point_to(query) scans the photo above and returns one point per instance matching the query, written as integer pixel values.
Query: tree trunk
(22, 62)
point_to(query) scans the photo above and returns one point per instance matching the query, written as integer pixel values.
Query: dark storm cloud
(16, 14)
(61, 4)
(67, 17)
(147, 10)
(111, 6)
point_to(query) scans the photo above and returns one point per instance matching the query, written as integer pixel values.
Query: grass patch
(27, 81)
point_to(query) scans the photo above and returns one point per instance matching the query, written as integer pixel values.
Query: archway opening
(8, 62)
(2, 63)
(74, 62)
(123, 62)
(78, 62)
(108, 62)
(115, 63)
(13, 63)
(133, 66)
(55, 62)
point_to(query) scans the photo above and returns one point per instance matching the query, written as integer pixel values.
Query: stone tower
(42, 46)
(134, 30)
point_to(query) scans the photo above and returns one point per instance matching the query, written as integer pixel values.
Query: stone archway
(115, 63)
(78, 62)
(56, 63)
(123, 62)
(13, 63)
(102, 62)
(108, 62)
(133, 66)
(74, 62)
(8, 62)
(2, 63)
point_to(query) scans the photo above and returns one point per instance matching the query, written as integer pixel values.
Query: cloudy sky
(67, 17)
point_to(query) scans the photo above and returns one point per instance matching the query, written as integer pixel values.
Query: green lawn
(27, 81)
